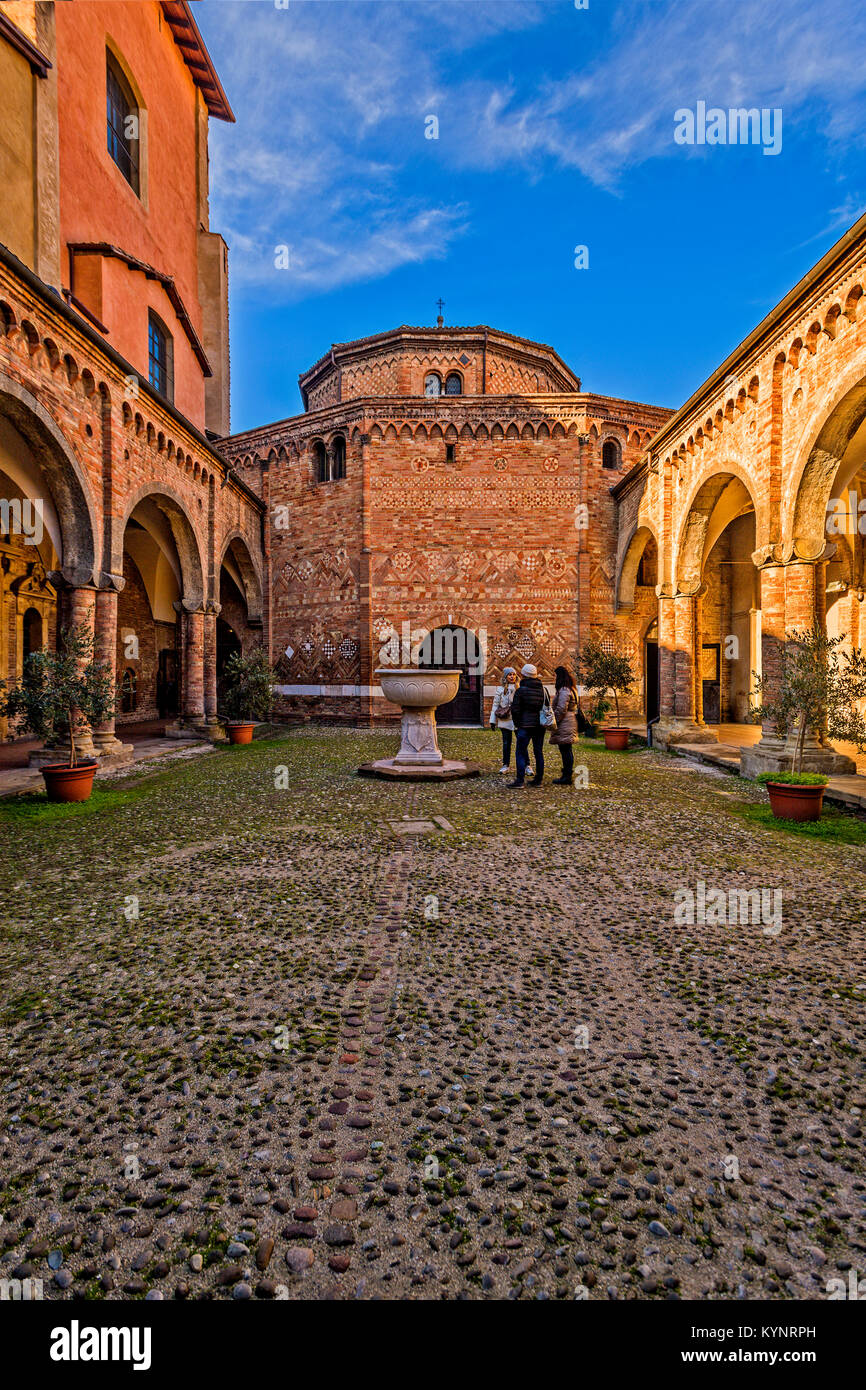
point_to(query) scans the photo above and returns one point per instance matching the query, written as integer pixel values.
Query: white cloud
(331, 97)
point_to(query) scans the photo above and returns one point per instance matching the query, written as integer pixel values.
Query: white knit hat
(529, 670)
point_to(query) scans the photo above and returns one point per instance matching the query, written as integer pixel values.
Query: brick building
(751, 501)
(118, 509)
(447, 494)
(449, 481)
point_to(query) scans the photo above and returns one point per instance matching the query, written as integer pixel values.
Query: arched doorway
(456, 648)
(651, 672)
(636, 596)
(228, 643)
(716, 565)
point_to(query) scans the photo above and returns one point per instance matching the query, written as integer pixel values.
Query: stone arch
(189, 553)
(66, 479)
(714, 501)
(825, 439)
(236, 544)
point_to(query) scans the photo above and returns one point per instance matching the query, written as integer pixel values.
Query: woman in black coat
(526, 710)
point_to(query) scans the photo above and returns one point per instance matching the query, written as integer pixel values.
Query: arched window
(453, 384)
(338, 466)
(160, 356)
(122, 121)
(610, 454)
(32, 632)
(320, 462)
(432, 384)
(128, 691)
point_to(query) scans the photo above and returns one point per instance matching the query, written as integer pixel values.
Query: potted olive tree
(819, 687)
(606, 672)
(61, 693)
(248, 692)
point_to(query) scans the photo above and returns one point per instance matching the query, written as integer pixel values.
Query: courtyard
(276, 1031)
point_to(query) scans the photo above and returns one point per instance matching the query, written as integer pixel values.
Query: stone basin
(419, 693)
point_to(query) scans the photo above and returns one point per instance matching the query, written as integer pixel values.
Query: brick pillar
(678, 634)
(106, 742)
(800, 596)
(667, 658)
(209, 624)
(789, 602)
(193, 666)
(77, 608)
(367, 649)
(804, 607)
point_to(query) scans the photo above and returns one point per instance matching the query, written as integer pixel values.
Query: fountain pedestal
(420, 693)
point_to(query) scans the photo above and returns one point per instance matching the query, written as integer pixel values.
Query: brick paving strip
(351, 1120)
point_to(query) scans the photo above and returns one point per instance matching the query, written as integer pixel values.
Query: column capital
(689, 588)
(182, 605)
(799, 550)
(68, 579)
(115, 582)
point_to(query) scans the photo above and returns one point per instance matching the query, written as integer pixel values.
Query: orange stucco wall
(97, 204)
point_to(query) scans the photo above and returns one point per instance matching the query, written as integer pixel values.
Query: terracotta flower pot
(790, 802)
(241, 733)
(65, 783)
(616, 738)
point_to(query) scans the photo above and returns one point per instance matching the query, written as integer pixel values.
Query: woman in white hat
(500, 713)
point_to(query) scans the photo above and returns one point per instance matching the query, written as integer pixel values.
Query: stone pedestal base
(445, 771)
(778, 759)
(188, 729)
(113, 754)
(671, 731)
(419, 746)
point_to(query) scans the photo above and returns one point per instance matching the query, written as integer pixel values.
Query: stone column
(105, 741)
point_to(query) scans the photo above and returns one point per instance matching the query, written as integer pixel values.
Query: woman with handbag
(531, 713)
(500, 714)
(565, 705)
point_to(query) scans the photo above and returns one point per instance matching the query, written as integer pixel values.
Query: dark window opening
(338, 465)
(128, 691)
(122, 123)
(610, 454)
(320, 462)
(453, 384)
(449, 453)
(160, 357)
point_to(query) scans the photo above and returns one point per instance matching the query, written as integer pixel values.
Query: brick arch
(186, 539)
(697, 513)
(825, 439)
(67, 482)
(642, 534)
(253, 589)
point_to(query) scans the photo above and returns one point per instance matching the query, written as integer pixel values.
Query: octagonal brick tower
(441, 477)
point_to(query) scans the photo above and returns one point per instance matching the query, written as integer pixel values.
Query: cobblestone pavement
(308, 1041)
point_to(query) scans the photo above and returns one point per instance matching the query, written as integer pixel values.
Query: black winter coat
(527, 703)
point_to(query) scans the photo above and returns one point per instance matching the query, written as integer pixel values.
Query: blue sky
(555, 129)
